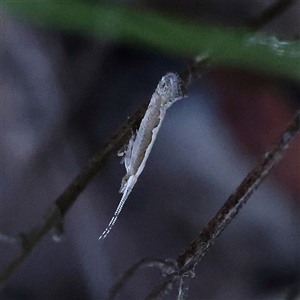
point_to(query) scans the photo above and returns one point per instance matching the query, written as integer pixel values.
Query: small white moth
(139, 147)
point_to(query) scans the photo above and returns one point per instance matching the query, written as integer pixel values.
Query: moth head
(170, 89)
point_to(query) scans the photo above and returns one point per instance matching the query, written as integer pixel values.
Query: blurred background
(62, 96)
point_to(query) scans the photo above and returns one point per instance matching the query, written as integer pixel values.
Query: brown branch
(192, 255)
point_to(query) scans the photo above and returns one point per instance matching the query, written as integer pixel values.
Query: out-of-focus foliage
(226, 46)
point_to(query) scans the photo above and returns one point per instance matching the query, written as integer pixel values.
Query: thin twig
(191, 256)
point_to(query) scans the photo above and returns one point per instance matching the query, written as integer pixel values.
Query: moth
(168, 91)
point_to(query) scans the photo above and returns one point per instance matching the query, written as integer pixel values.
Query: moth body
(139, 146)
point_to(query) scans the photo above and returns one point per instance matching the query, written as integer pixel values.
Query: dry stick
(192, 255)
(188, 260)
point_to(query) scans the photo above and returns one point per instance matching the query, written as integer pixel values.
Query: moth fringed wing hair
(126, 151)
